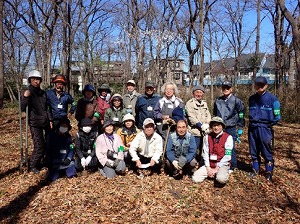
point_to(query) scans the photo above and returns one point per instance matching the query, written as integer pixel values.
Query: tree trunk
(1, 57)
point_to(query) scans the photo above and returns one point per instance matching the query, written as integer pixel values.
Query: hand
(181, 161)
(138, 163)
(152, 162)
(176, 165)
(83, 162)
(205, 128)
(27, 93)
(116, 162)
(199, 125)
(88, 160)
(69, 115)
(67, 162)
(109, 163)
(51, 125)
(164, 117)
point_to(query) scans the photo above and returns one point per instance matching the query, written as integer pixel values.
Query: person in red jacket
(217, 150)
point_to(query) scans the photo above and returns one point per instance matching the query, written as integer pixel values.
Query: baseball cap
(148, 121)
(149, 83)
(261, 79)
(227, 83)
(131, 81)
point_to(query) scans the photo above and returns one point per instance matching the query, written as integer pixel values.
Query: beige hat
(131, 81)
(148, 121)
(128, 117)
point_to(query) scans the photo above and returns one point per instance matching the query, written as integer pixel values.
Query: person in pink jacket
(110, 151)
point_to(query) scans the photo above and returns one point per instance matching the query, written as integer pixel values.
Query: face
(181, 128)
(149, 130)
(128, 123)
(109, 129)
(149, 90)
(169, 91)
(59, 87)
(198, 94)
(130, 87)
(260, 88)
(116, 102)
(227, 90)
(216, 128)
(88, 94)
(103, 93)
(35, 82)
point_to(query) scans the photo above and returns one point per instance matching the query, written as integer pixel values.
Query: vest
(181, 148)
(216, 147)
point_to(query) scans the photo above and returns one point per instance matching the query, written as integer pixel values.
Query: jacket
(103, 144)
(197, 112)
(154, 150)
(144, 108)
(115, 115)
(231, 110)
(220, 145)
(37, 107)
(58, 106)
(264, 110)
(58, 148)
(165, 107)
(86, 109)
(127, 137)
(85, 144)
(102, 106)
(177, 147)
(130, 99)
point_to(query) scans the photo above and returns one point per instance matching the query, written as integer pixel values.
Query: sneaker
(253, 174)
(269, 177)
(34, 170)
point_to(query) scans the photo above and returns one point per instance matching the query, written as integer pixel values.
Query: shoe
(34, 170)
(253, 174)
(269, 177)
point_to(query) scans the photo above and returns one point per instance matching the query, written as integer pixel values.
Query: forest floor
(28, 198)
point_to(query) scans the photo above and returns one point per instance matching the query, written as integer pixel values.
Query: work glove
(88, 160)
(83, 162)
(205, 129)
(67, 162)
(176, 165)
(181, 161)
(109, 163)
(116, 163)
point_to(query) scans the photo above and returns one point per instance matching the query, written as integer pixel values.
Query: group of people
(147, 131)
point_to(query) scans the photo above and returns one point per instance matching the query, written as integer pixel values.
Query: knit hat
(104, 87)
(217, 120)
(128, 117)
(66, 121)
(261, 79)
(86, 122)
(148, 121)
(177, 114)
(199, 87)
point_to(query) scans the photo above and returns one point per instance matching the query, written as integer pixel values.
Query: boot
(269, 176)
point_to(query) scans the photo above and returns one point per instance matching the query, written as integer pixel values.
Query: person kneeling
(110, 151)
(60, 151)
(85, 143)
(217, 149)
(146, 148)
(181, 151)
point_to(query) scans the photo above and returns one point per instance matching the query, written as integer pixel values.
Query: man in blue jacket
(58, 101)
(145, 104)
(181, 151)
(231, 109)
(264, 112)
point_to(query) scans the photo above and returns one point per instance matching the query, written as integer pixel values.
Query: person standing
(38, 117)
(264, 112)
(130, 98)
(116, 112)
(217, 150)
(165, 106)
(58, 101)
(87, 106)
(198, 116)
(231, 109)
(181, 151)
(103, 103)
